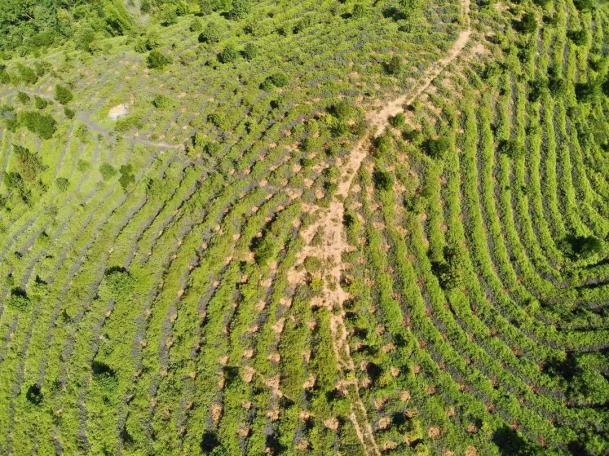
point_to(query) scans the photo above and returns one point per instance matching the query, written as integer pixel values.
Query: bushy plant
(228, 54)
(18, 299)
(239, 9)
(63, 95)
(210, 34)
(156, 59)
(44, 125)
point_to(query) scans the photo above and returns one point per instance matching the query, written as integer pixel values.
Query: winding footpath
(329, 221)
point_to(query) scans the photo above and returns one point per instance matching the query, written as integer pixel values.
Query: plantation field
(317, 227)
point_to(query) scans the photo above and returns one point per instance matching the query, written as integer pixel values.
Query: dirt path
(334, 244)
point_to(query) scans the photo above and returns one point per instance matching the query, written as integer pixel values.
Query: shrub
(359, 11)
(127, 176)
(342, 110)
(19, 299)
(449, 271)
(398, 121)
(209, 6)
(211, 33)
(127, 123)
(62, 183)
(148, 43)
(577, 36)
(383, 144)
(34, 394)
(162, 102)
(168, 14)
(26, 74)
(393, 66)
(157, 59)
(196, 25)
(119, 281)
(586, 92)
(275, 80)
(250, 51)
(584, 5)
(527, 24)
(382, 180)
(107, 171)
(40, 102)
(511, 148)
(239, 9)
(580, 247)
(63, 95)
(437, 148)
(41, 124)
(104, 376)
(9, 117)
(29, 163)
(23, 98)
(312, 264)
(83, 165)
(228, 54)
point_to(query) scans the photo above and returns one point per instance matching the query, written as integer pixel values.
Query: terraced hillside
(275, 227)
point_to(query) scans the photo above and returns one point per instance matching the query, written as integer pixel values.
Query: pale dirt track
(335, 244)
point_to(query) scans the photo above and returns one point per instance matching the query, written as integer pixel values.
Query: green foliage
(29, 164)
(394, 66)
(239, 9)
(580, 247)
(63, 95)
(312, 264)
(40, 103)
(19, 300)
(119, 281)
(449, 271)
(511, 148)
(168, 14)
(62, 184)
(437, 148)
(228, 54)
(44, 125)
(107, 171)
(147, 43)
(8, 116)
(83, 165)
(250, 51)
(275, 80)
(162, 102)
(34, 394)
(126, 176)
(156, 59)
(16, 185)
(584, 5)
(210, 6)
(28, 24)
(69, 113)
(128, 122)
(23, 98)
(398, 121)
(26, 74)
(382, 180)
(195, 25)
(342, 110)
(210, 34)
(104, 376)
(527, 24)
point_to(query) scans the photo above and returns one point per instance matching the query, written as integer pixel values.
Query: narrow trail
(329, 222)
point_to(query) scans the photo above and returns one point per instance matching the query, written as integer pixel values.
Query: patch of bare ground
(329, 222)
